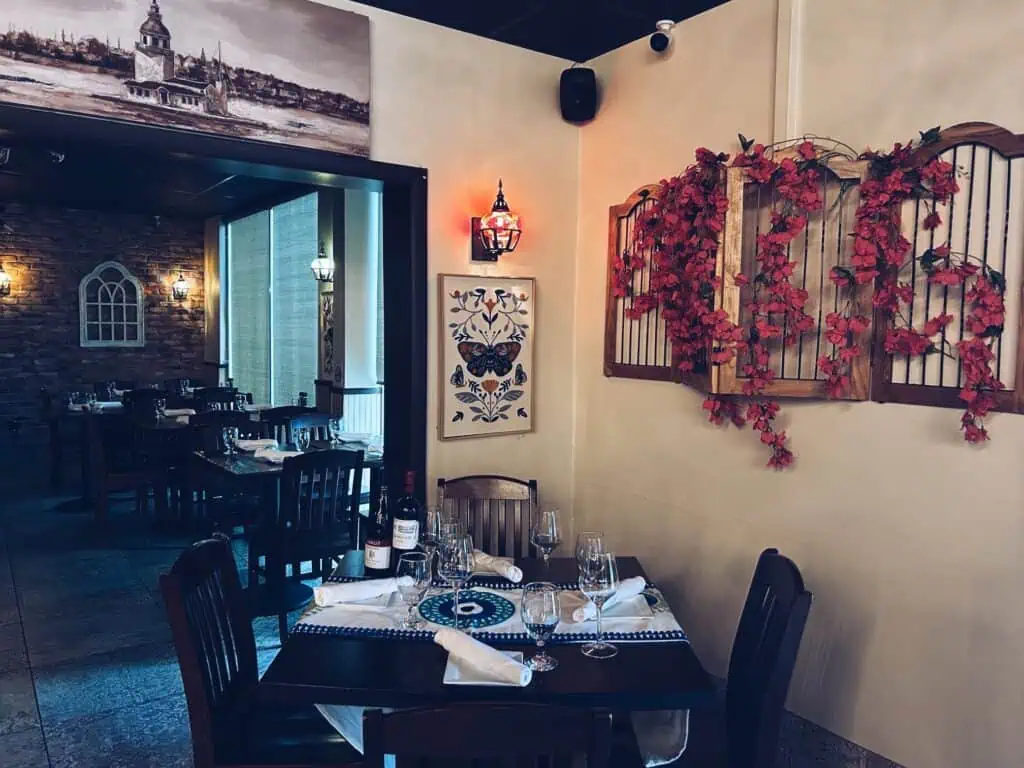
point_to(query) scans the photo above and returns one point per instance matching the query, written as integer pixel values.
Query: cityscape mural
(288, 71)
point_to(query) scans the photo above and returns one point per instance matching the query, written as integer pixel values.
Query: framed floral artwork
(486, 355)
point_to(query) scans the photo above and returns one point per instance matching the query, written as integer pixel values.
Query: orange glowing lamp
(498, 232)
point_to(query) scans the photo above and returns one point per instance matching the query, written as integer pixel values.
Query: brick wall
(48, 253)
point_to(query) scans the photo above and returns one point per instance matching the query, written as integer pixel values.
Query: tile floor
(88, 675)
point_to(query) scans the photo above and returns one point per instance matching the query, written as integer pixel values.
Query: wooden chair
(141, 403)
(112, 463)
(745, 733)
(491, 734)
(279, 420)
(496, 509)
(315, 523)
(216, 648)
(214, 398)
(316, 423)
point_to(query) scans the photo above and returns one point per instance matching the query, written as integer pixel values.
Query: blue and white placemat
(491, 613)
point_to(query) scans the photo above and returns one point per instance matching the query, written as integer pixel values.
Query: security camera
(662, 39)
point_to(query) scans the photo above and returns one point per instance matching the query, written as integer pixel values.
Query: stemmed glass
(230, 437)
(240, 401)
(413, 573)
(598, 581)
(546, 533)
(336, 428)
(432, 532)
(456, 566)
(160, 404)
(541, 613)
(589, 544)
(301, 437)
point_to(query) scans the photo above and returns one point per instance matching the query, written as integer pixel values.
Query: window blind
(249, 304)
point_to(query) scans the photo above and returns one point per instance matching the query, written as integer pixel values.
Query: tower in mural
(154, 57)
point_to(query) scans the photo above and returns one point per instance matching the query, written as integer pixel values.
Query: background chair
(214, 398)
(496, 509)
(315, 523)
(745, 733)
(316, 423)
(500, 734)
(279, 420)
(113, 464)
(216, 649)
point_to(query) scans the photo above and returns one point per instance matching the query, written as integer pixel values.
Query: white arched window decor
(110, 308)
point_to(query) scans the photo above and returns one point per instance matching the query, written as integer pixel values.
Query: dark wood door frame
(404, 245)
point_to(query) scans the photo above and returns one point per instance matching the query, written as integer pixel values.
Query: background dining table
(394, 672)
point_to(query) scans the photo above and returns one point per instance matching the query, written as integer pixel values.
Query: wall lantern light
(496, 233)
(179, 288)
(5, 282)
(323, 267)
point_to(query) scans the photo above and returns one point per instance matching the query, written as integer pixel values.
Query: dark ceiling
(578, 30)
(95, 177)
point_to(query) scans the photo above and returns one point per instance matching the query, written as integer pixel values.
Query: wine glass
(589, 544)
(432, 532)
(546, 533)
(230, 437)
(301, 437)
(336, 428)
(413, 573)
(541, 613)
(160, 404)
(456, 566)
(598, 581)
(240, 401)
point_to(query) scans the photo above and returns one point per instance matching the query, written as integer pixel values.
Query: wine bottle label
(406, 534)
(377, 557)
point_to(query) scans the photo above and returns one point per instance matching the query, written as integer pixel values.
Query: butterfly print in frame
(487, 328)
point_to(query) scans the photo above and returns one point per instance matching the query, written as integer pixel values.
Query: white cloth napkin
(353, 591)
(251, 408)
(627, 589)
(348, 721)
(118, 392)
(483, 658)
(275, 456)
(255, 445)
(502, 566)
(661, 735)
(179, 412)
(99, 405)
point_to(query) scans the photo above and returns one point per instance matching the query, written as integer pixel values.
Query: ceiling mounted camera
(662, 39)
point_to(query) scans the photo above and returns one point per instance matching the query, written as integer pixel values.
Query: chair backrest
(110, 446)
(496, 510)
(213, 636)
(316, 423)
(214, 398)
(762, 660)
(279, 420)
(502, 734)
(363, 409)
(320, 496)
(207, 426)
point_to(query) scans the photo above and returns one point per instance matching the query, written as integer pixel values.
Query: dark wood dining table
(377, 672)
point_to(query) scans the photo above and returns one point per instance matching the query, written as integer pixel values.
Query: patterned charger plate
(477, 609)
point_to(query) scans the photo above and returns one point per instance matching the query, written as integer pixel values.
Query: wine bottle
(408, 512)
(377, 552)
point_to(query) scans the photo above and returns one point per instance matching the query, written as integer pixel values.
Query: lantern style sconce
(323, 267)
(5, 282)
(179, 288)
(496, 233)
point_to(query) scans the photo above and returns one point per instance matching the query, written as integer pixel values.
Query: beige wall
(470, 110)
(910, 540)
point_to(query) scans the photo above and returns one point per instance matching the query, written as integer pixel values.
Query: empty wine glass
(336, 428)
(301, 437)
(160, 405)
(456, 566)
(413, 574)
(230, 437)
(432, 532)
(541, 613)
(545, 532)
(240, 401)
(598, 581)
(589, 544)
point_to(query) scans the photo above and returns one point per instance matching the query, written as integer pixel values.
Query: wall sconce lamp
(179, 288)
(323, 267)
(496, 233)
(5, 282)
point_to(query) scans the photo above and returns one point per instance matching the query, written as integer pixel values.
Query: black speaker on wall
(577, 94)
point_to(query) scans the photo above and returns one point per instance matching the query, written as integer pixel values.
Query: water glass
(456, 566)
(336, 428)
(598, 581)
(230, 437)
(301, 437)
(541, 613)
(432, 531)
(545, 532)
(413, 574)
(240, 401)
(160, 406)
(589, 544)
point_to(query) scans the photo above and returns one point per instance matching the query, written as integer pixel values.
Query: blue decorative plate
(476, 609)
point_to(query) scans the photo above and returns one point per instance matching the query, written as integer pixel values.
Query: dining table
(406, 669)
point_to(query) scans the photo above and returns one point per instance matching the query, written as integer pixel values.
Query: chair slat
(496, 509)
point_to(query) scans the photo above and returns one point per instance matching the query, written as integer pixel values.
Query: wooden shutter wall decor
(985, 219)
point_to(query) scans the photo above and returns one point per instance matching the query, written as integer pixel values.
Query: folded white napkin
(627, 589)
(348, 721)
(356, 437)
(118, 392)
(256, 444)
(250, 408)
(353, 591)
(179, 412)
(489, 661)
(99, 405)
(275, 456)
(661, 735)
(502, 566)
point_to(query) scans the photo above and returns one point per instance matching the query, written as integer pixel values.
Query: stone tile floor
(88, 674)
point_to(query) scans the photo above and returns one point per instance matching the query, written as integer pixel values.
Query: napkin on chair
(353, 591)
(627, 589)
(502, 566)
(661, 735)
(275, 456)
(256, 444)
(483, 658)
